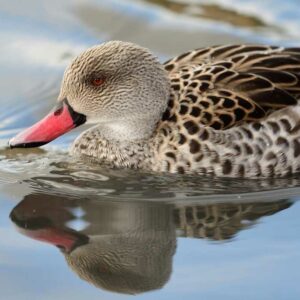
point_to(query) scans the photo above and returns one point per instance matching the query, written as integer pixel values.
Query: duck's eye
(97, 81)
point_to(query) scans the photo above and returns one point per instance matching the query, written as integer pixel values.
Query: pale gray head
(120, 85)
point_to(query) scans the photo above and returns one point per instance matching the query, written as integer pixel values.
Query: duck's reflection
(127, 246)
(224, 220)
(124, 246)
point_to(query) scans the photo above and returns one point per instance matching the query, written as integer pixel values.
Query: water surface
(74, 230)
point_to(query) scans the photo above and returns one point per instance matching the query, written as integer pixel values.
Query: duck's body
(226, 111)
(267, 148)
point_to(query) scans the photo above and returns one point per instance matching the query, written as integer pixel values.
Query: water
(161, 237)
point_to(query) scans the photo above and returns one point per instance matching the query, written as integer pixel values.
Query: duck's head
(119, 85)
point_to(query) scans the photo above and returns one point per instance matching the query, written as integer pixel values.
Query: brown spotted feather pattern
(232, 111)
(222, 86)
(244, 96)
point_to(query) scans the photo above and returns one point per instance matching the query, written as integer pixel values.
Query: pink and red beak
(66, 240)
(59, 121)
(42, 229)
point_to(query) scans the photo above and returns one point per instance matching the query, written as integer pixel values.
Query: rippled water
(74, 230)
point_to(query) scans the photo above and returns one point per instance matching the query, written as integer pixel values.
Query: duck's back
(223, 86)
(220, 117)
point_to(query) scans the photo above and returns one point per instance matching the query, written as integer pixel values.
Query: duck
(226, 111)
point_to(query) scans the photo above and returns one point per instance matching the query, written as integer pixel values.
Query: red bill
(59, 121)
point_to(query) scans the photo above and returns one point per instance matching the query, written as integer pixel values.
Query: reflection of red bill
(59, 121)
(65, 239)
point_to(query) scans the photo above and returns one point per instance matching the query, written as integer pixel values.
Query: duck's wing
(224, 85)
(224, 220)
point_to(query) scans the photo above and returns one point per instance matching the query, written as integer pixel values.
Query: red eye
(97, 81)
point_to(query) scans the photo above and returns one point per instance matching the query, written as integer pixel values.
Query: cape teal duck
(224, 110)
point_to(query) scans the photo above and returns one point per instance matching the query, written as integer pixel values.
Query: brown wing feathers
(222, 86)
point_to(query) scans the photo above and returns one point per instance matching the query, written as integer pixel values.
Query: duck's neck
(122, 143)
(139, 128)
(116, 145)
